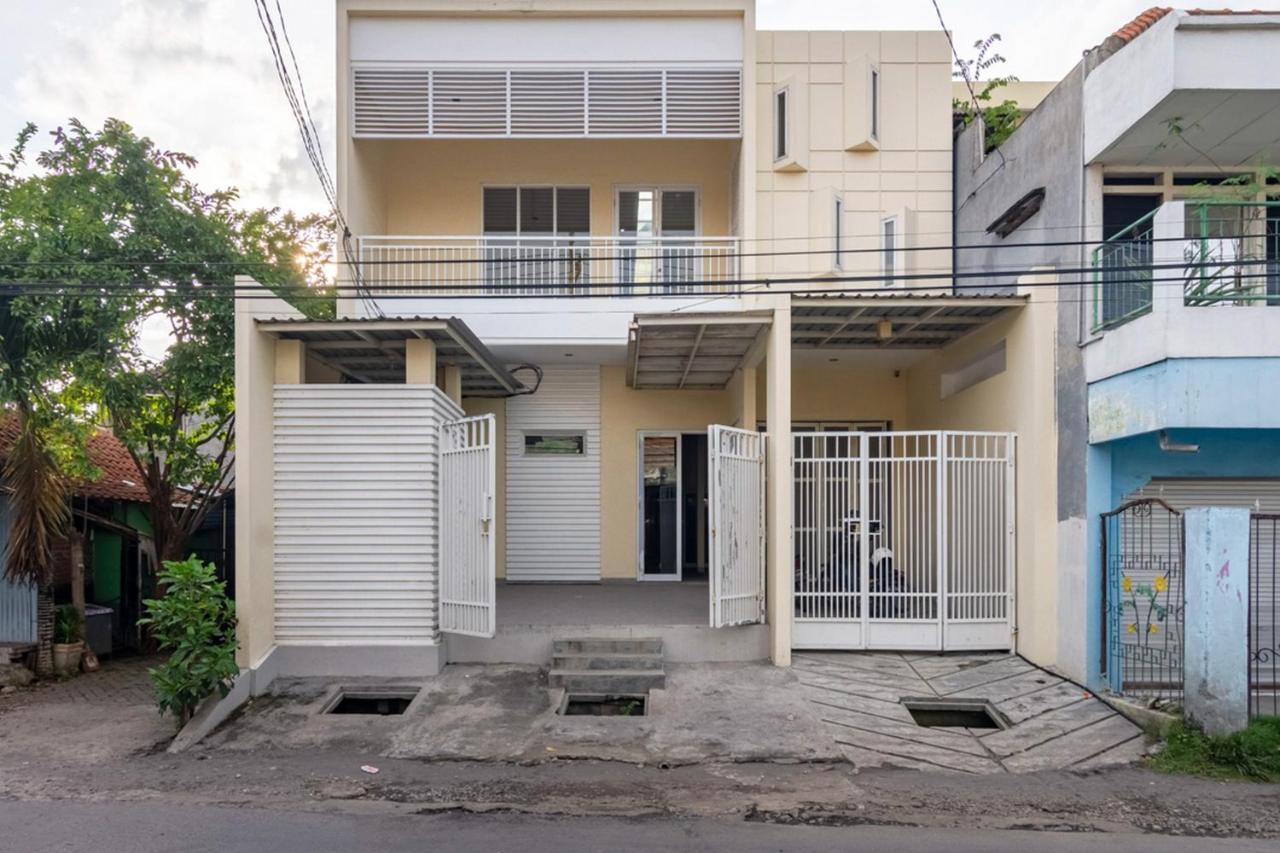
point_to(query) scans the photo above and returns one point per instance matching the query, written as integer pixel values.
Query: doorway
(672, 506)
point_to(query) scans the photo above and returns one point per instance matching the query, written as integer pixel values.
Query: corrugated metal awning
(695, 351)
(875, 321)
(372, 351)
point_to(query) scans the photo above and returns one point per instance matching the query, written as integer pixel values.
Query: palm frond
(39, 512)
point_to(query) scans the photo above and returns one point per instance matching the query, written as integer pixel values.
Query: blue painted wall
(17, 601)
(1116, 468)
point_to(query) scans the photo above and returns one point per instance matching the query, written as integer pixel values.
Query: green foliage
(195, 622)
(1000, 119)
(1252, 754)
(104, 230)
(68, 625)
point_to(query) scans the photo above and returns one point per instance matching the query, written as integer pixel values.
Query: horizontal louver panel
(704, 102)
(391, 103)
(355, 498)
(466, 103)
(625, 102)
(546, 102)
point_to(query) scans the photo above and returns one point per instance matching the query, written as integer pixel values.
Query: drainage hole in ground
(590, 705)
(941, 713)
(375, 704)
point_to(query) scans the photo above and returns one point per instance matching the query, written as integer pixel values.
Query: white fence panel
(737, 541)
(468, 568)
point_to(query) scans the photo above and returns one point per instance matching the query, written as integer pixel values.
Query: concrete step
(612, 660)
(612, 682)
(606, 645)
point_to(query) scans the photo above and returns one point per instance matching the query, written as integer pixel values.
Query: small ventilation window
(555, 444)
(781, 141)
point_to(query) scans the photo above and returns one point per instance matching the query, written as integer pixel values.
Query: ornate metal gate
(1143, 599)
(903, 540)
(1264, 615)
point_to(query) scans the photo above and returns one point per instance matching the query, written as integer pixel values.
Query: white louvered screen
(356, 502)
(546, 102)
(704, 102)
(466, 103)
(552, 508)
(391, 102)
(625, 103)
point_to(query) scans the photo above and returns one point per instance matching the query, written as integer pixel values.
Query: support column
(420, 361)
(744, 379)
(1216, 621)
(778, 485)
(291, 362)
(453, 383)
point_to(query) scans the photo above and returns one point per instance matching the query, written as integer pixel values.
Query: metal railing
(1232, 253)
(1264, 614)
(1122, 275)
(547, 265)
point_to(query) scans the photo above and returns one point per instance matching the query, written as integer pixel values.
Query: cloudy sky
(195, 75)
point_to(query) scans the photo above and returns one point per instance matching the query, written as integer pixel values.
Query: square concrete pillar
(778, 487)
(291, 361)
(453, 383)
(1216, 621)
(420, 361)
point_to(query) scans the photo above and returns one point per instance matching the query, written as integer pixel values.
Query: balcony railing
(548, 265)
(1208, 253)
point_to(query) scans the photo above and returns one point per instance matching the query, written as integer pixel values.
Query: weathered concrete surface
(1053, 724)
(1216, 621)
(707, 713)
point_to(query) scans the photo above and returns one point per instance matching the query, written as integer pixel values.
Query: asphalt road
(145, 827)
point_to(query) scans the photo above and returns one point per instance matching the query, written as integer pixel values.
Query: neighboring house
(613, 253)
(110, 533)
(1168, 338)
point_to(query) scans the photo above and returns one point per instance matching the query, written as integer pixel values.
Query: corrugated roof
(120, 478)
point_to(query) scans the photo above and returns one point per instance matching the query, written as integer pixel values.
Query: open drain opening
(953, 713)
(378, 703)
(600, 705)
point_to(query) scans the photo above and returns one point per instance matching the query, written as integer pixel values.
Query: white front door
(468, 564)
(736, 552)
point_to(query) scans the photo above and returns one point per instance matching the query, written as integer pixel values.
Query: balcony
(492, 265)
(1192, 279)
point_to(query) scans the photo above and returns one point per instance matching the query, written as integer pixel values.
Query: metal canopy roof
(372, 351)
(878, 321)
(693, 351)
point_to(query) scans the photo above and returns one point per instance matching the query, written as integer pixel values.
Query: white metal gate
(468, 568)
(736, 550)
(903, 540)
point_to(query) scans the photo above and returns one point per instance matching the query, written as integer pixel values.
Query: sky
(195, 75)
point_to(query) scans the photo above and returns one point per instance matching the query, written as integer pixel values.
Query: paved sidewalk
(118, 682)
(1054, 724)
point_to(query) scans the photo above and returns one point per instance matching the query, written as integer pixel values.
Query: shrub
(68, 627)
(195, 622)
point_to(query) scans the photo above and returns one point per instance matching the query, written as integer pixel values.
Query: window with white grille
(546, 102)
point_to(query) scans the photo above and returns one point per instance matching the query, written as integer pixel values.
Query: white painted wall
(553, 502)
(513, 40)
(355, 497)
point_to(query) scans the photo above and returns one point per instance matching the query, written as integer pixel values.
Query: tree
(107, 230)
(1000, 120)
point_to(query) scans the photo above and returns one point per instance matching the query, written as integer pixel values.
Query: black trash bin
(97, 628)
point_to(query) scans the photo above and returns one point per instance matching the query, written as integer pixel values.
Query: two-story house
(647, 329)
(1146, 180)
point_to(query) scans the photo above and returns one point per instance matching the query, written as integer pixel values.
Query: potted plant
(68, 639)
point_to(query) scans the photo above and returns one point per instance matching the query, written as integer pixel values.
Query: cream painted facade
(851, 165)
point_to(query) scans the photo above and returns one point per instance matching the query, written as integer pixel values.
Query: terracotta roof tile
(120, 478)
(1141, 23)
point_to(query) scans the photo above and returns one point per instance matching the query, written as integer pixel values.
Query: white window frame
(873, 99)
(891, 255)
(641, 435)
(555, 208)
(658, 190)
(555, 433)
(837, 234)
(781, 114)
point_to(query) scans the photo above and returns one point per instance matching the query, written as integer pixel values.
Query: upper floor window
(837, 230)
(782, 132)
(558, 211)
(889, 254)
(875, 103)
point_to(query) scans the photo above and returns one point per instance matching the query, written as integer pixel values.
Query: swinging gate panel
(903, 540)
(736, 548)
(468, 564)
